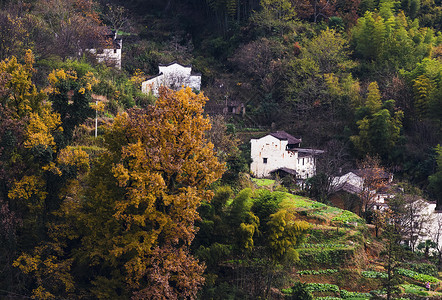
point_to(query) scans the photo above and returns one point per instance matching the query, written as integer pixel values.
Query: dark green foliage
(390, 44)
(73, 108)
(435, 186)
(265, 204)
(411, 7)
(239, 207)
(299, 291)
(213, 255)
(332, 258)
(392, 255)
(317, 187)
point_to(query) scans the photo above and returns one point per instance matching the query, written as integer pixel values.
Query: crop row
(417, 276)
(322, 287)
(326, 287)
(324, 245)
(373, 274)
(404, 272)
(317, 272)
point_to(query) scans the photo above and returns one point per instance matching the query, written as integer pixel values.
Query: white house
(173, 76)
(110, 56)
(280, 152)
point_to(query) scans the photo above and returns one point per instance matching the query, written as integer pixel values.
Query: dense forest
(110, 193)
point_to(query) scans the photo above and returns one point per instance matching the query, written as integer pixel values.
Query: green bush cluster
(414, 289)
(417, 276)
(327, 287)
(423, 268)
(311, 257)
(317, 272)
(354, 295)
(322, 287)
(373, 274)
(347, 217)
(316, 287)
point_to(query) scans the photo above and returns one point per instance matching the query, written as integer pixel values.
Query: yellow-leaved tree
(126, 230)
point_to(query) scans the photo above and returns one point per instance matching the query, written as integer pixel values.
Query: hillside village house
(280, 152)
(110, 55)
(174, 76)
(360, 181)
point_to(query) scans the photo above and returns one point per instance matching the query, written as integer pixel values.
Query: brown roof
(347, 187)
(282, 135)
(286, 170)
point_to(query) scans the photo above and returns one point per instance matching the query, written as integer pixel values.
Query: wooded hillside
(106, 192)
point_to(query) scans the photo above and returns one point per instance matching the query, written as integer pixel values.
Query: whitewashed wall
(173, 76)
(109, 56)
(306, 167)
(275, 151)
(153, 85)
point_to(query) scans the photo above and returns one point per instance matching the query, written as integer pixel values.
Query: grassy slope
(337, 240)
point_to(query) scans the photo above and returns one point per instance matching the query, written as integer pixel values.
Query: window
(302, 161)
(264, 160)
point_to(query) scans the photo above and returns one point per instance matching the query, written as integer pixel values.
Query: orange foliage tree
(126, 229)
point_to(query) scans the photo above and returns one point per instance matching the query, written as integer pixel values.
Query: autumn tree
(74, 25)
(117, 16)
(71, 96)
(373, 178)
(144, 191)
(315, 10)
(27, 163)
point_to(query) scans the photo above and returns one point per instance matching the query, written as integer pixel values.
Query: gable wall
(275, 151)
(175, 77)
(153, 84)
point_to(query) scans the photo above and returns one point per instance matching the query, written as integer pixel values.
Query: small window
(302, 161)
(264, 160)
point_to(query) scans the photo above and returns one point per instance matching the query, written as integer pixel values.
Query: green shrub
(322, 287)
(417, 276)
(354, 295)
(326, 257)
(299, 291)
(373, 274)
(317, 272)
(414, 289)
(423, 268)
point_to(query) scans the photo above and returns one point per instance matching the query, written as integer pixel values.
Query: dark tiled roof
(308, 152)
(286, 170)
(282, 135)
(154, 76)
(347, 187)
(174, 62)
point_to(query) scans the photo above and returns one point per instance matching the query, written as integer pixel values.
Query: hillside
(341, 259)
(112, 188)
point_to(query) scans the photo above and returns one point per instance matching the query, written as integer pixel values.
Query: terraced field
(333, 260)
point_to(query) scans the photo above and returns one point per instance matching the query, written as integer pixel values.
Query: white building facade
(279, 151)
(173, 76)
(109, 56)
